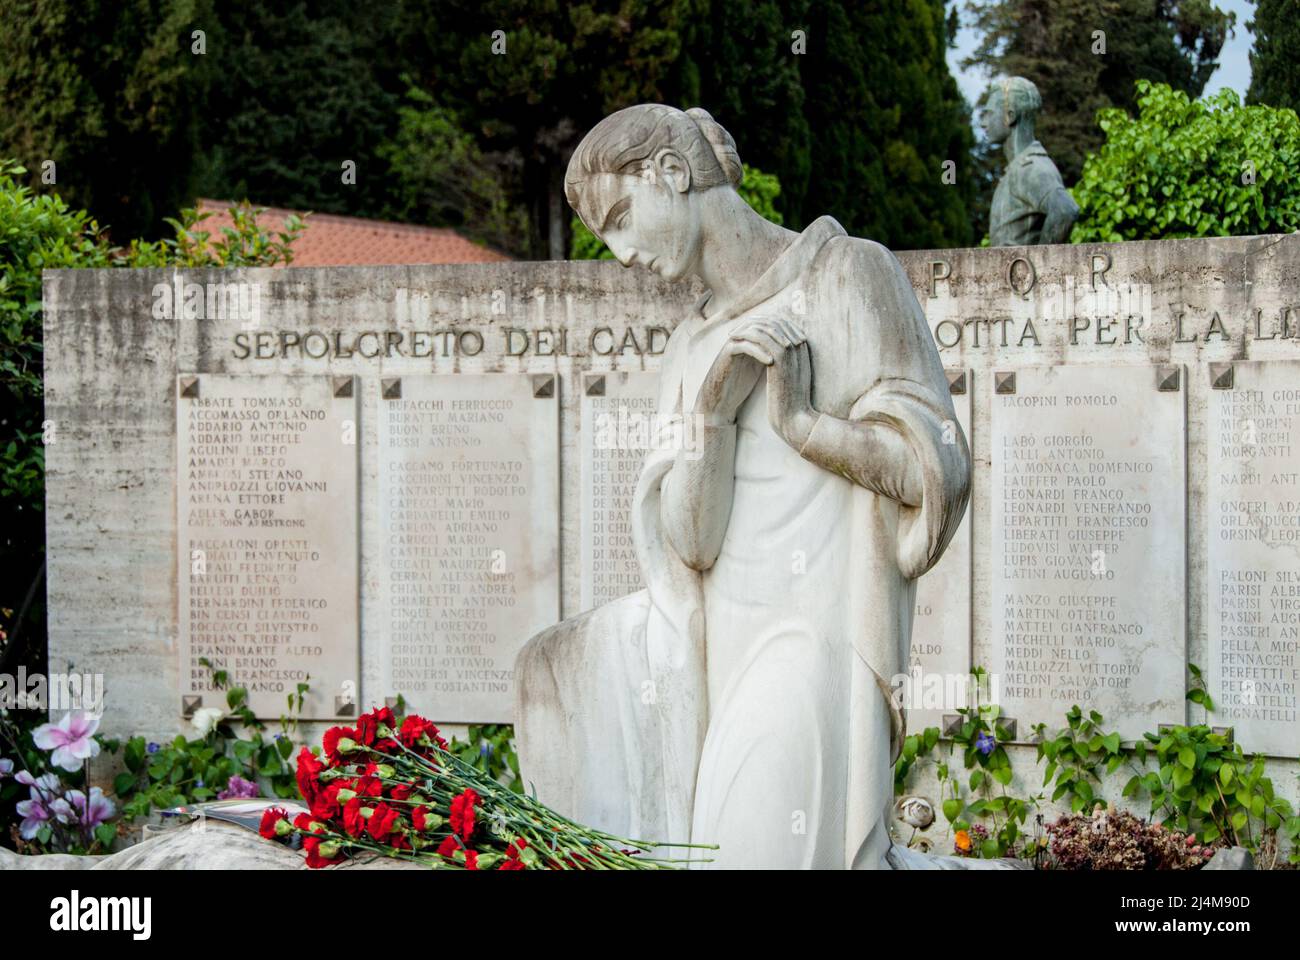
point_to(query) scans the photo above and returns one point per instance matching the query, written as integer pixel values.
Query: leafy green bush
(758, 189)
(1190, 168)
(220, 759)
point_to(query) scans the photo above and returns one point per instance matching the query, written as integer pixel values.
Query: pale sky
(1234, 60)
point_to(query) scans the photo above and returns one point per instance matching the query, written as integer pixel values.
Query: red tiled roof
(331, 240)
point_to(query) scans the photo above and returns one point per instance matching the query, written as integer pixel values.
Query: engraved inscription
(1253, 438)
(1087, 547)
(267, 540)
(617, 424)
(469, 556)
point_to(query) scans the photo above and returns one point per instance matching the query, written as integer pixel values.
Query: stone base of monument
(220, 846)
(210, 846)
(903, 858)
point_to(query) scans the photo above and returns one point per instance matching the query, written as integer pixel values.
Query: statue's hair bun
(724, 147)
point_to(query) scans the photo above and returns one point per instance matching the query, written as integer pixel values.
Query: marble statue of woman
(742, 698)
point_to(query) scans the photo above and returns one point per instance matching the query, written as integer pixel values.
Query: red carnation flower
(403, 791)
(419, 818)
(413, 728)
(314, 859)
(353, 822)
(304, 823)
(331, 742)
(514, 860)
(381, 822)
(368, 728)
(270, 817)
(462, 813)
(326, 804)
(309, 769)
(471, 859)
(447, 849)
(368, 786)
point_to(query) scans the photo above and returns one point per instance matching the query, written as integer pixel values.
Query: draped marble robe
(747, 705)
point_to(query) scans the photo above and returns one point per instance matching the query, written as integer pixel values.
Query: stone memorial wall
(1161, 378)
(1161, 327)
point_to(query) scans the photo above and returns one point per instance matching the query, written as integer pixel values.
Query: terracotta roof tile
(332, 240)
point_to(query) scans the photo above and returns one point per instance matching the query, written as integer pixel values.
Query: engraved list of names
(267, 540)
(618, 424)
(1253, 502)
(469, 501)
(1088, 545)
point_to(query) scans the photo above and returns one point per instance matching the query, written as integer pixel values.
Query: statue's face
(994, 118)
(652, 220)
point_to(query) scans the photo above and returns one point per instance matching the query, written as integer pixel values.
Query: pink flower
(71, 739)
(91, 814)
(35, 815)
(47, 782)
(44, 806)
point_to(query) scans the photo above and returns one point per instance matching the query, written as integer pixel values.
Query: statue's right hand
(730, 380)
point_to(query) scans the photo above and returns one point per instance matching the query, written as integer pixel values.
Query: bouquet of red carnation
(394, 789)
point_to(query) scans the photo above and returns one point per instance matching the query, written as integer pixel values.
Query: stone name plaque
(469, 555)
(617, 418)
(1253, 499)
(267, 528)
(941, 627)
(1087, 545)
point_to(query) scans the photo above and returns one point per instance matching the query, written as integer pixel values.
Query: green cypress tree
(886, 117)
(300, 90)
(1275, 58)
(109, 93)
(529, 80)
(749, 79)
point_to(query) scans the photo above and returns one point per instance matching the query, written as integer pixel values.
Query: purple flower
(35, 815)
(151, 747)
(6, 768)
(239, 789)
(47, 782)
(93, 812)
(485, 750)
(985, 743)
(71, 739)
(37, 812)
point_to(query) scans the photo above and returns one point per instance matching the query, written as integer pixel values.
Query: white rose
(205, 719)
